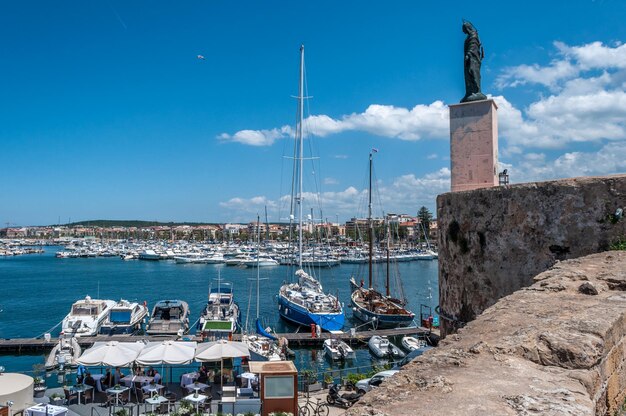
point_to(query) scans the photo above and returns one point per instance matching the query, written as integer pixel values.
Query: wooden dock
(302, 339)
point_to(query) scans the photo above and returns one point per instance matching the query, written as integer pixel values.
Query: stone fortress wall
(493, 241)
(539, 321)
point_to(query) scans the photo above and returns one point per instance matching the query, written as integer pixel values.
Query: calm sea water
(38, 290)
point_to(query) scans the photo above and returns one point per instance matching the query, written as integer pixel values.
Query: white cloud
(571, 62)
(610, 159)
(257, 137)
(330, 181)
(422, 121)
(432, 156)
(403, 194)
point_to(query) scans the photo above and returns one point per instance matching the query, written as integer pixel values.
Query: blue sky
(106, 112)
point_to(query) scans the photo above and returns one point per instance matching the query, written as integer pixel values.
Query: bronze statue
(474, 54)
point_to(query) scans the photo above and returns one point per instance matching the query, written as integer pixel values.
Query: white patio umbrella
(250, 377)
(167, 352)
(111, 353)
(218, 350)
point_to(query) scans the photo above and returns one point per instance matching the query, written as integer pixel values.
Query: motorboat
(260, 261)
(238, 260)
(220, 317)
(169, 317)
(412, 343)
(381, 347)
(337, 349)
(262, 348)
(149, 254)
(64, 354)
(86, 317)
(124, 318)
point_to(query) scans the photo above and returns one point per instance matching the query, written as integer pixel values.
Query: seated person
(157, 377)
(203, 376)
(107, 380)
(89, 380)
(150, 372)
(117, 376)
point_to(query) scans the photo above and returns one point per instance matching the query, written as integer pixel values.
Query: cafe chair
(69, 396)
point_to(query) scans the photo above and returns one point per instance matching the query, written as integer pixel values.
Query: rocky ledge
(554, 348)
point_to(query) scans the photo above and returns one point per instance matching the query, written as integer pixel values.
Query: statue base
(474, 145)
(477, 96)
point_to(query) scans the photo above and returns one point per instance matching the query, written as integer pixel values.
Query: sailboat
(304, 302)
(369, 305)
(262, 345)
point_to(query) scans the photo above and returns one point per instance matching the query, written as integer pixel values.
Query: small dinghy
(412, 343)
(382, 348)
(336, 349)
(64, 354)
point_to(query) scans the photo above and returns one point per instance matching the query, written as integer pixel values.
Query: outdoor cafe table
(197, 399)
(196, 386)
(81, 388)
(153, 401)
(98, 379)
(117, 391)
(188, 378)
(128, 380)
(151, 388)
(43, 410)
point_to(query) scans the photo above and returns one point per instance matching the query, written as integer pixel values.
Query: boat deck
(301, 339)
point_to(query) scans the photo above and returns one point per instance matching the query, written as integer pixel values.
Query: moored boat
(381, 347)
(64, 354)
(304, 302)
(412, 343)
(220, 317)
(124, 318)
(337, 349)
(169, 317)
(86, 317)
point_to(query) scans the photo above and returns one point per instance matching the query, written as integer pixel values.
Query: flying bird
(201, 57)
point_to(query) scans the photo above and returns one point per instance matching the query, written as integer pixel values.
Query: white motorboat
(262, 348)
(215, 258)
(220, 317)
(169, 317)
(86, 317)
(124, 318)
(337, 349)
(238, 260)
(64, 354)
(149, 254)
(381, 347)
(412, 343)
(260, 261)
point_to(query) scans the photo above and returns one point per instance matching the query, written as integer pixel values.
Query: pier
(300, 339)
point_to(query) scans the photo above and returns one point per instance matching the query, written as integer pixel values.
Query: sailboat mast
(370, 224)
(258, 254)
(301, 150)
(387, 282)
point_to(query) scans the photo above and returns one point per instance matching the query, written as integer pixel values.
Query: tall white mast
(301, 154)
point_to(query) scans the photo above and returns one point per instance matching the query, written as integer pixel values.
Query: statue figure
(474, 54)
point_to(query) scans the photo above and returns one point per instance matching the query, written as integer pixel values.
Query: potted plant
(57, 399)
(328, 381)
(185, 408)
(121, 412)
(39, 383)
(310, 381)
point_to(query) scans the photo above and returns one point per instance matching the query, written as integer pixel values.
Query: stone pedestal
(474, 145)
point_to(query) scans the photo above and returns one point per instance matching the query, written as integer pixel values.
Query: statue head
(468, 27)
